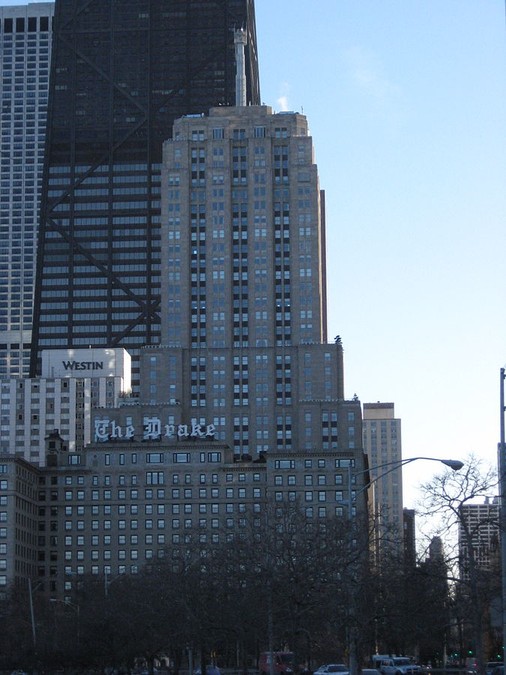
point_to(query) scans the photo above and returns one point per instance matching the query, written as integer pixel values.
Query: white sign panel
(86, 363)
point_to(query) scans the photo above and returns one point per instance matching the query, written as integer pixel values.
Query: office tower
(25, 46)
(243, 288)
(122, 72)
(382, 444)
(436, 549)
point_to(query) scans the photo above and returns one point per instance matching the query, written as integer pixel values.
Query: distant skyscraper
(409, 536)
(121, 74)
(382, 444)
(25, 46)
(479, 532)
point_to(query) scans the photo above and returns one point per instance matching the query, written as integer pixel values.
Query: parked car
(210, 670)
(398, 665)
(282, 663)
(493, 666)
(340, 668)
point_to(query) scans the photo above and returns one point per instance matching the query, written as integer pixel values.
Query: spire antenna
(240, 42)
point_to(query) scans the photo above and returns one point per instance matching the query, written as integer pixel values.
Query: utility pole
(502, 512)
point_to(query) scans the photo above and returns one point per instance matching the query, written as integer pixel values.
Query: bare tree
(444, 499)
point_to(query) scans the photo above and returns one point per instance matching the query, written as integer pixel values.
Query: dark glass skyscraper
(122, 72)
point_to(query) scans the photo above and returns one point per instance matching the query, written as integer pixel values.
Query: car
(493, 666)
(210, 670)
(340, 668)
(398, 665)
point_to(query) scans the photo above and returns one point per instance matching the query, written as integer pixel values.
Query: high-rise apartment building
(122, 72)
(479, 537)
(243, 287)
(25, 48)
(382, 444)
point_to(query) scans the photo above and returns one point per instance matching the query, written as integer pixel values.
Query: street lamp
(31, 590)
(453, 464)
(108, 581)
(385, 469)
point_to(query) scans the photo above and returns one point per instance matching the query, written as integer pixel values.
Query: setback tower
(244, 333)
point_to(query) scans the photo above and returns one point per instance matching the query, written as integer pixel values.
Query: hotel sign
(152, 430)
(83, 365)
(93, 363)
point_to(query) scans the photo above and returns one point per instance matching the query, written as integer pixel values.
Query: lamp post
(453, 464)
(385, 469)
(77, 610)
(31, 590)
(108, 581)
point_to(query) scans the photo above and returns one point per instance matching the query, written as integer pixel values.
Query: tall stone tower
(244, 343)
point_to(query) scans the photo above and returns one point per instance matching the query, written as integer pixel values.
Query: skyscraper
(382, 444)
(122, 72)
(243, 287)
(25, 46)
(478, 537)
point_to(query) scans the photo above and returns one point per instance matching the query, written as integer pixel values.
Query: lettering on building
(153, 430)
(83, 365)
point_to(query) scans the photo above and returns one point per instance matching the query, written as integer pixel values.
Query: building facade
(25, 51)
(121, 74)
(120, 505)
(244, 289)
(479, 531)
(73, 384)
(242, 408)
(382, 444)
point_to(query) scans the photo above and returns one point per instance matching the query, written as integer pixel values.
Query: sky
(406, 102)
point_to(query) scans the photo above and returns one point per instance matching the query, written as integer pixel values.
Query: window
(154, 458)
(155, 478)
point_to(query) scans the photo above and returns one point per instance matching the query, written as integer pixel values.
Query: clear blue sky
(406, 101)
